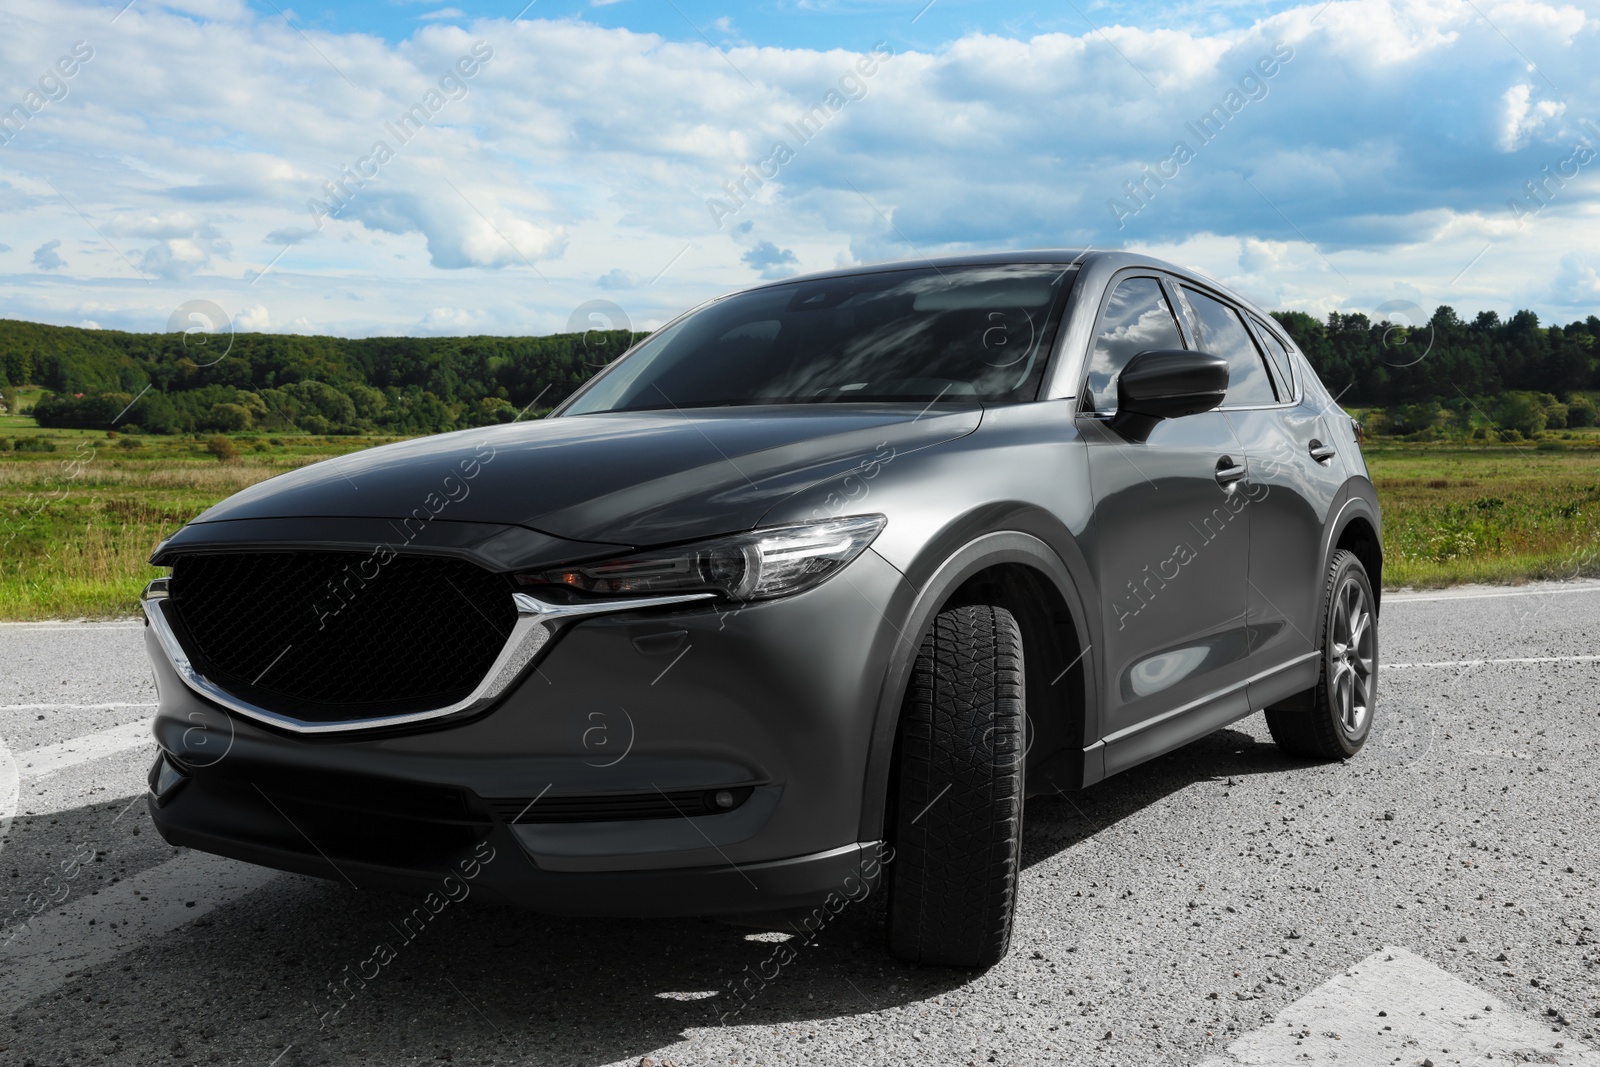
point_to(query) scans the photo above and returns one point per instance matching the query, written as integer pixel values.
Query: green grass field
(77, 524)
(1493, 513)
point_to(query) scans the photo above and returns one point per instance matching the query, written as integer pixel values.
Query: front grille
(332, 636)
(616, 807)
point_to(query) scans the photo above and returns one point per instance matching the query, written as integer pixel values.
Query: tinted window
(1221, 332)
(1137, 319)
(1280, 360)
(914, 336)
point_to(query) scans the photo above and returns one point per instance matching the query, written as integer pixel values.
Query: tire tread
(959, 811)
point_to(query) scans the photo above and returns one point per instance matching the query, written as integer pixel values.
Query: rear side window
(1279, 355)
(1221, 332)
(1137, 319)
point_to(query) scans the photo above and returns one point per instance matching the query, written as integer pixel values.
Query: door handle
(1321, 452)
(1228, 471)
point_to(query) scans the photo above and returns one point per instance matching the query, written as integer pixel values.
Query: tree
(229, 418)
(1522, 412)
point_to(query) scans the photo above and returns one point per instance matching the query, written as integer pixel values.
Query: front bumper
(774, 702)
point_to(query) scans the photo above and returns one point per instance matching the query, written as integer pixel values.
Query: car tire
(1333, 720)
(957, 804)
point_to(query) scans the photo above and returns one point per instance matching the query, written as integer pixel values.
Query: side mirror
(1167, 384)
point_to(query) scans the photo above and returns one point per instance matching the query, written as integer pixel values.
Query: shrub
(226, 417)
(223, 448)
(35, 444)
(1523, 412)
(1581, 410)
(1417, 418)
(130, 444)
(5, 444)
(1510, 435)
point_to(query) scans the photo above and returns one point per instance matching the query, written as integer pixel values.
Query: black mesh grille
(326, 636)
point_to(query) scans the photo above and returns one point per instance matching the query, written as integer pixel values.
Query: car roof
(1099, 262)
(1067, 256)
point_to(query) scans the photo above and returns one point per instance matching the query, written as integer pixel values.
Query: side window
(1281, 363)
(1222, 333)
(1137, 319)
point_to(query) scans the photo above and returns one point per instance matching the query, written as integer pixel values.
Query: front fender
(936, 576)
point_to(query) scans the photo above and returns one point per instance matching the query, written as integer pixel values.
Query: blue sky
(817, 24)
(404, 168)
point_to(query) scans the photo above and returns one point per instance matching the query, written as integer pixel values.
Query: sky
(387, 167)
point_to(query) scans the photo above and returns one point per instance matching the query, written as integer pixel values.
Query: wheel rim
(1352, 657)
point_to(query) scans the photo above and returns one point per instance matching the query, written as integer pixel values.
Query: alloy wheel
(1352, 655)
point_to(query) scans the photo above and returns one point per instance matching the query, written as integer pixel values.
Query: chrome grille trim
(537, 622)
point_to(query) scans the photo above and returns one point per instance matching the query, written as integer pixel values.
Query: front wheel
(1339, 719)
(957, 807)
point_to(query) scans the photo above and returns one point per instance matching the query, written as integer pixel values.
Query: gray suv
(800, 597)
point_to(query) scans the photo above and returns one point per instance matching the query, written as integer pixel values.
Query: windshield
(978, 334)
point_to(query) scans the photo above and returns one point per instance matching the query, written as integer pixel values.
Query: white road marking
(1421, 598)
(10, 790)
(48, 759)
(1487, 662)
(1425, 1012)
(156, 902)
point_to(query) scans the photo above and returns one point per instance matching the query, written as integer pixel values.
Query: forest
(173, 383)
(1484, 375)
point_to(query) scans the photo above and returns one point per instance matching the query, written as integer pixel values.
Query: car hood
(623, 478)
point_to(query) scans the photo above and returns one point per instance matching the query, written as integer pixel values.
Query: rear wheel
(957, 808)
(1339, 717)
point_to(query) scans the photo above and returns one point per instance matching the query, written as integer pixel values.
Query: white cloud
(448, 320)
(578, 160)
(1577, 283)
(1524, 117)
(174, 259)
(252, 319)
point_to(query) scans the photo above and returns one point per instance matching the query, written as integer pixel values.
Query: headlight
(765, 563)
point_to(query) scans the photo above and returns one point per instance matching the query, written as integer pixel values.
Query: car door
(1294, 476)
(1169, 549)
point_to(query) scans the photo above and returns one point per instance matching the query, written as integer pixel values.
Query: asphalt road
(1437, 898)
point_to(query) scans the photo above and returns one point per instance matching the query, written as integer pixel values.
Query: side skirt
(1176, 728)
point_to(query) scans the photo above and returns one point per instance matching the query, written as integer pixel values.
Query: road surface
(1437, 898)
